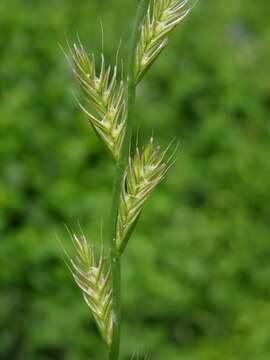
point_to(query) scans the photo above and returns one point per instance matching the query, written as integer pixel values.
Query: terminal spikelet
(161, 18)
(106, 96)
(145, 171)
(94, 279)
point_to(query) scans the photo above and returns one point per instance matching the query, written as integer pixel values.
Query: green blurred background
(196, 275)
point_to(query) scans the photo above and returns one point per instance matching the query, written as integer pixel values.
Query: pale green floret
(94, 279)
(145, 171)
(106, 96)
(161, 18)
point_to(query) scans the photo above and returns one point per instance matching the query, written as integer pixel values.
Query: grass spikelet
(161, 18)
(94, 279)
(105, 94)
(145, 171)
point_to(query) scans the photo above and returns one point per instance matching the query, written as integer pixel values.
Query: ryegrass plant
(111, 100)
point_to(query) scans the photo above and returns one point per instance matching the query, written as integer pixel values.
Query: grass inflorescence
(109, 106)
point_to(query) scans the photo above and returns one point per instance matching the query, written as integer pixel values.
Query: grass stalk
(119, 173)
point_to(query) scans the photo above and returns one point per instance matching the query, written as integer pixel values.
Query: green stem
(119, 174)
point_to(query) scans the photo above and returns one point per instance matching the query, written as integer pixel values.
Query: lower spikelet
(145, 171)
(94, 279)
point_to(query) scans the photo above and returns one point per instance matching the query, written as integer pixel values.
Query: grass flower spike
(145, 171)
(94, 280)
(112, 102)
(161, 18)
(105, 94)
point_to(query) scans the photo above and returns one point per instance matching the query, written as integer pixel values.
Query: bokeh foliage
(196, 273)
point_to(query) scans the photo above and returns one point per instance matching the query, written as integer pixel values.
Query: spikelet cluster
(94, 279)
(161, 18)
(145, 171)
(106, 96)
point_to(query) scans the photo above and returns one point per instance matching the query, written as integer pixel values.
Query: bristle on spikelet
(161, 18)
(105, 95)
